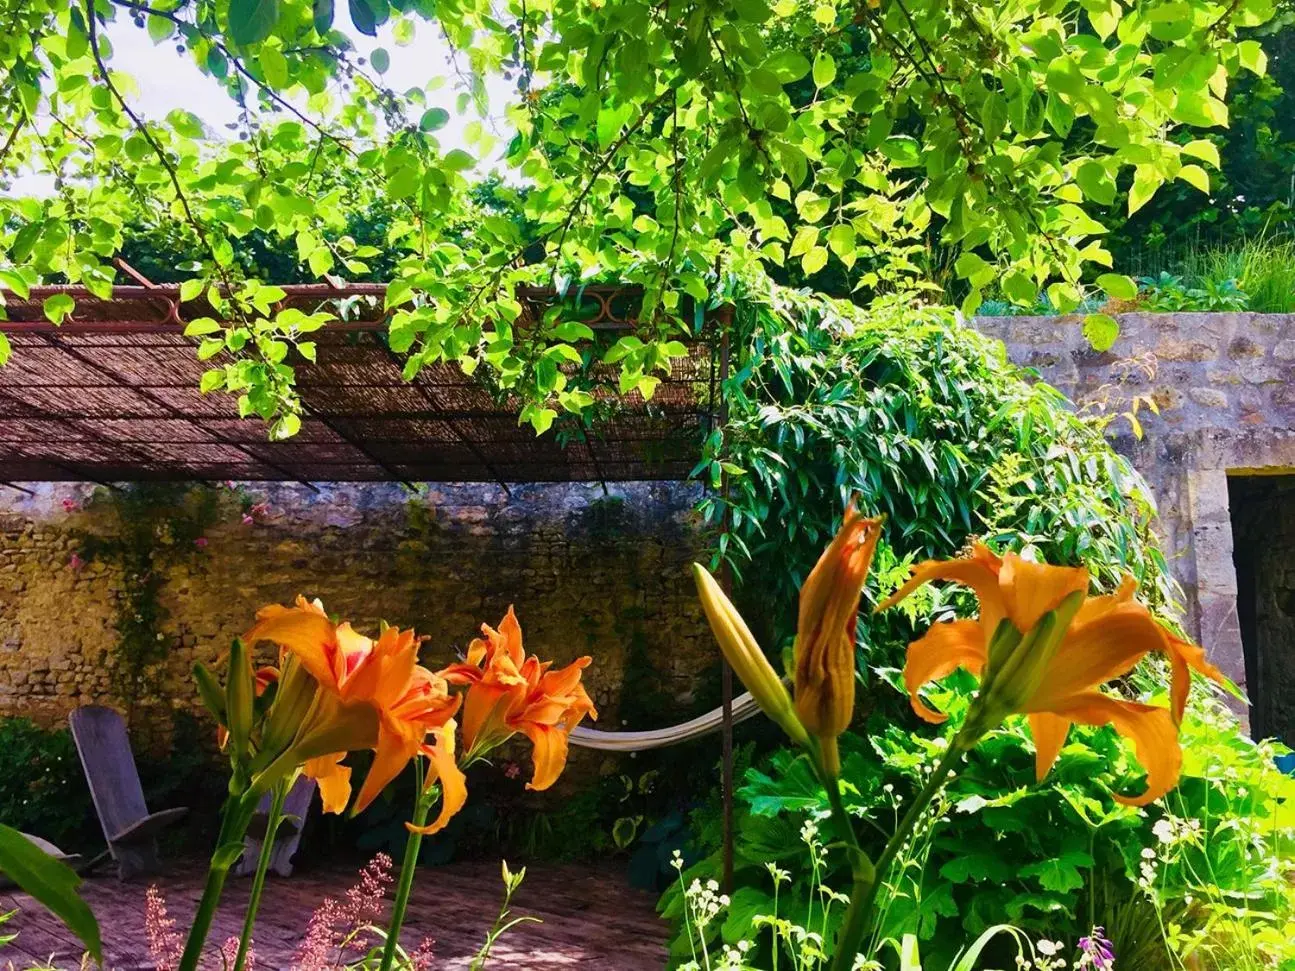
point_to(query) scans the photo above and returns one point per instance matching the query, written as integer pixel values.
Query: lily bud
(209, 691)
(240, 699)
(825, 634)
(745, 657)
(292, 701)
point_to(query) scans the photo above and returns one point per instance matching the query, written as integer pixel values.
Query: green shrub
(926, 421)
(1264, 268)
(42, 788)
(929, 423)
(1205, 874)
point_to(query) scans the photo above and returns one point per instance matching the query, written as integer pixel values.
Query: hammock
(744, 706)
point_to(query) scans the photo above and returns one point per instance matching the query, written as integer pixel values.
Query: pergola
(112, 395)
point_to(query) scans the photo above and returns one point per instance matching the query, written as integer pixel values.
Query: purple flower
(1096, 952)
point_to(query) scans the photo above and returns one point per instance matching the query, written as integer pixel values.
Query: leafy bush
(42, 789)
(1263, 267)
(928, 422)
(1206, 873)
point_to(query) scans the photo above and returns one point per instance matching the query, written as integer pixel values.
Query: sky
(167, 80)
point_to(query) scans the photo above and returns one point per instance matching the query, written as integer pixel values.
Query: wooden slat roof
(112, 395)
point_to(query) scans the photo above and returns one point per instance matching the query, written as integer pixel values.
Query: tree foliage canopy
(655, 143)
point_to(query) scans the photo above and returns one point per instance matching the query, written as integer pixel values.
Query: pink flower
(421, 959)
(261, 509)
(164, 942)
(76, 562)
(229, 954)
(335, 927)
(200, 542)
(70, 505)
(512, 770)
(247, 519)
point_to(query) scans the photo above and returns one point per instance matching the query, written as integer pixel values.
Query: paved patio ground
(592, 919)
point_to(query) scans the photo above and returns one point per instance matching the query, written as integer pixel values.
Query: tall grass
(1264, 267)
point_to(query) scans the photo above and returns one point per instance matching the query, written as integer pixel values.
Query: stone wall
(1224, 385)
(588, 574)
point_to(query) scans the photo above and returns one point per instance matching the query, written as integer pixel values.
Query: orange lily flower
(509, 693)
(371, 694)
(1103, 638)
(825, 632)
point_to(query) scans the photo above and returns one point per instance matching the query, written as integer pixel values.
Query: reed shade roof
(112, 395)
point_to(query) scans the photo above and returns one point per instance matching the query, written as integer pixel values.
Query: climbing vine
(144, 532)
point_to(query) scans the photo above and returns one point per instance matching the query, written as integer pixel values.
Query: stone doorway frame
(1212, 613)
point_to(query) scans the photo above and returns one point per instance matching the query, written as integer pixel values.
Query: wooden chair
(295, 808)
(130, 829)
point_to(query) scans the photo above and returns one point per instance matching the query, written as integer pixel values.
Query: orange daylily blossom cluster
(345, 691)
(509, 692)
(1104, 639)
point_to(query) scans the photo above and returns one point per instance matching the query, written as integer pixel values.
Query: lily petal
(1049, 732)
(397, 744)
(305, 631)
(1152, 730)
(443, 768)
(1186, 657)
(1031, 589)
(550, 754)
(1107, 647)
(334, 780)
(979, 571)
(943, 649)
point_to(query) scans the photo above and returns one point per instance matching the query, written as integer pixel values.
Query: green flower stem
(280, 793)
(235, 818)
(422, 805)
(867, 879)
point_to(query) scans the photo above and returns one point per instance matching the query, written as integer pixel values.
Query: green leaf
(251, 21)
(788, 65)
(824, 70)
(1101, 330)
(322, 14)
(51, 882)
(200, 327)
(1095, 183)
(5, 349)
(1019, 288)
(15, 282)
(274, 67)
(190, 288)
(57, 306)
(1118, 286)
(380, 60)
(1252, 56)
(368, 15)
(971, 267)
(159, 28)
(902, 150)
(434, 119)
(1146, 180)
(1195, 175)
(212, 380)
(1203, 149)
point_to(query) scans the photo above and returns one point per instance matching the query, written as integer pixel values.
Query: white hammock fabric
(744, 706)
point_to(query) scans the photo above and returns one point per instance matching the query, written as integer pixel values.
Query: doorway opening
(1263, 551)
